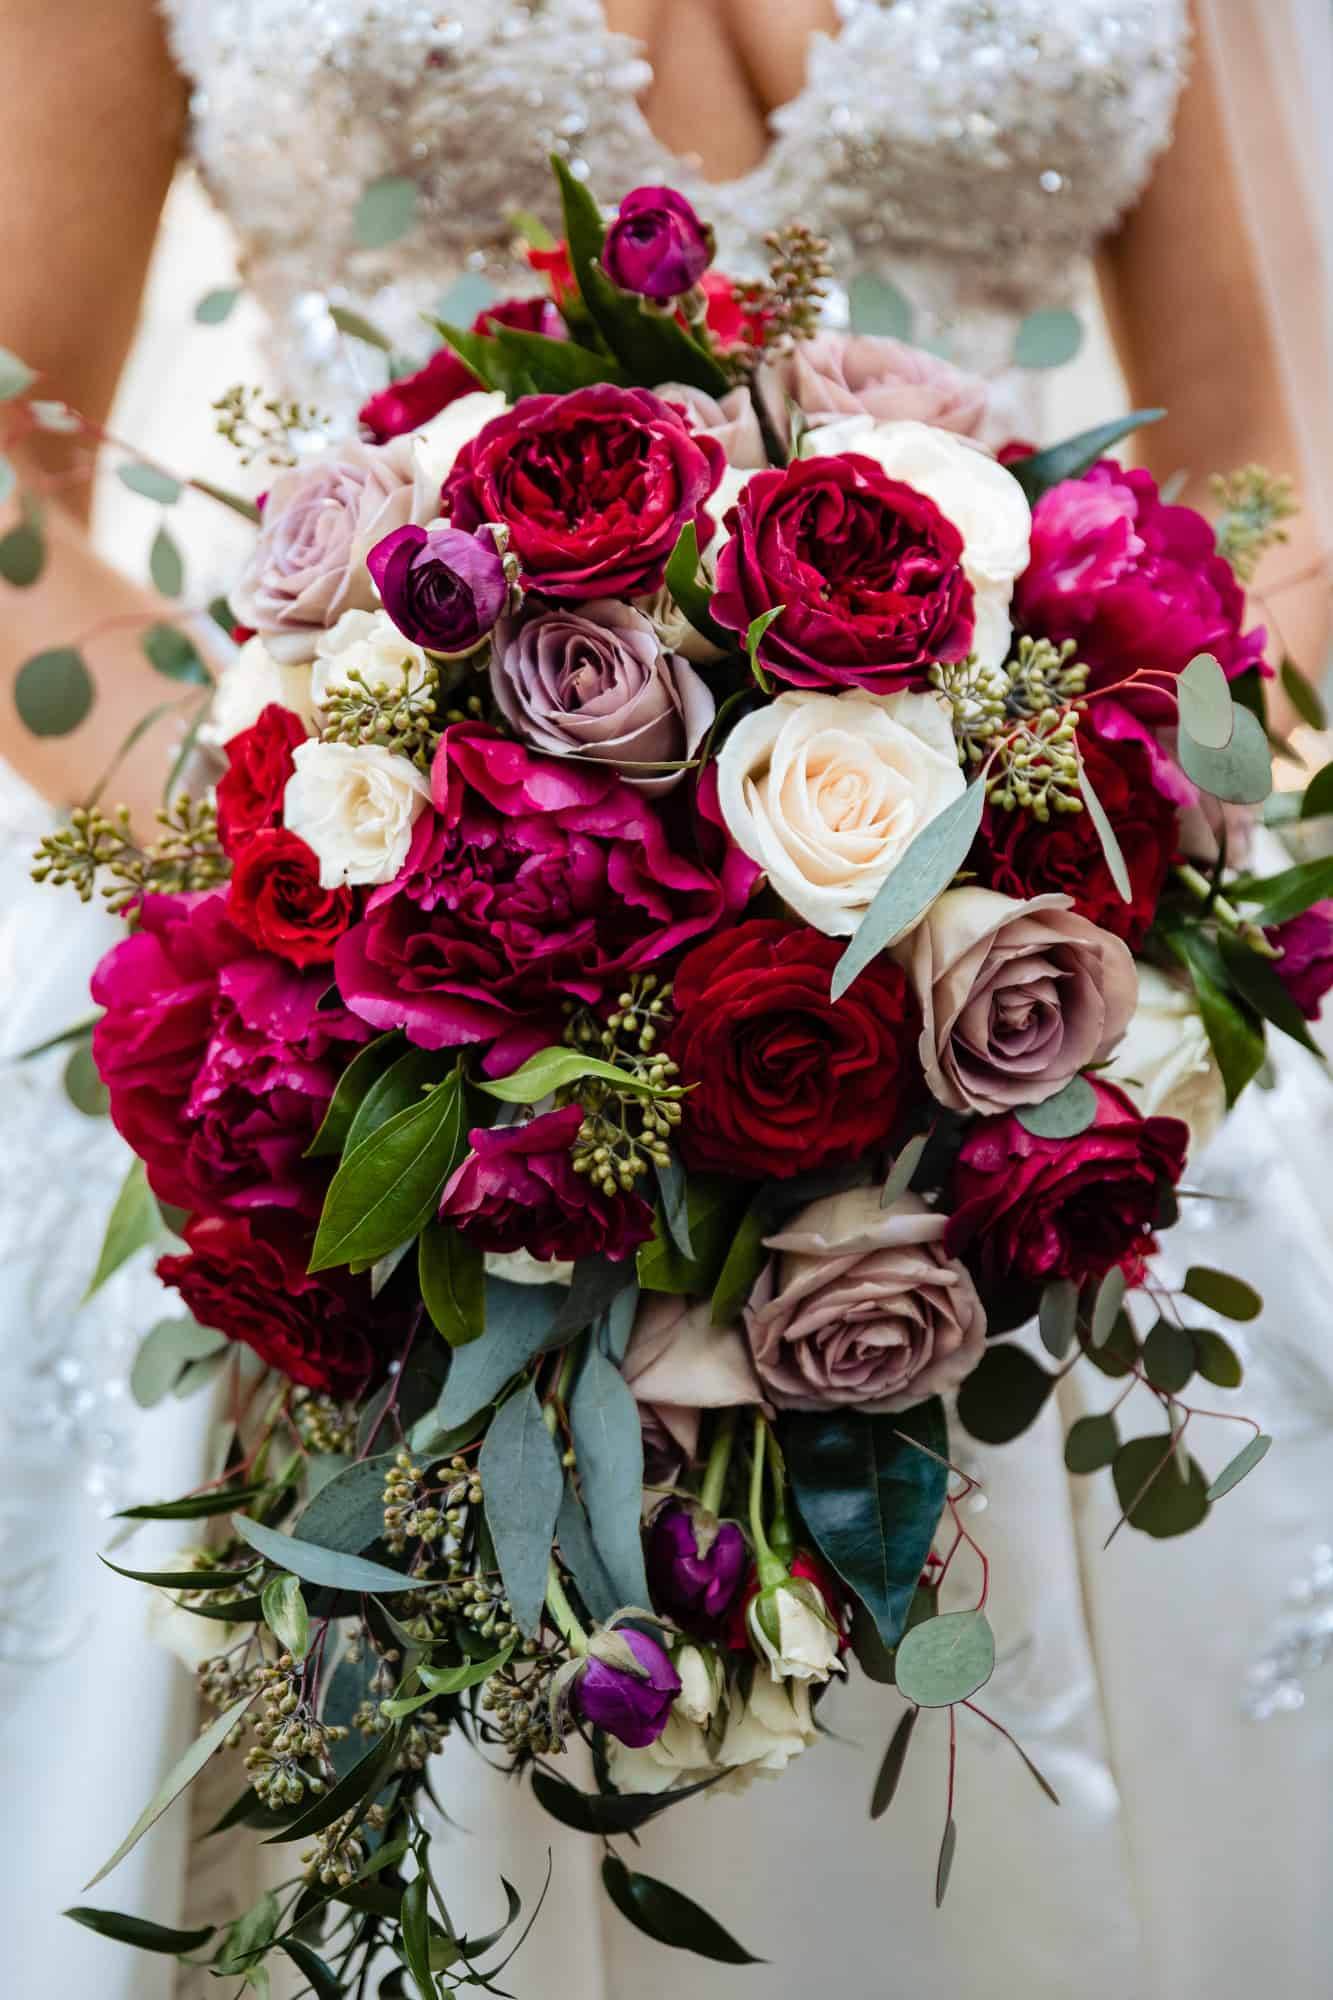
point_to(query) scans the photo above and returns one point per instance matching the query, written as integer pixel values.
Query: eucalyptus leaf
(1003, 1395)
(453, 1680)
(1217, 1361)
(356, 1788)
(1203, 696)
(385, 213)
(900, 1173)
(1317, 798)
(1070, 459)
(182, 1580)
(1092, 1443)
(137, 1931)
(15, 375)
(8, 479)
(198, 1506)
(518, 1325)
(132, 1225)
(332, 1569)
(663, 1914)
(388, 1187)
(367, 1066)
(1222, 1293)
(923, 874)
(608, 1446)
(1064, 1115)
(1168, 1357)
(166, 566)
(415, 1932)
(714, 1203)
(319, 1976)
(151, 483)
(83, 1086)
(347, 1513)
(673, 1203)
(452, 1275)
(285, 1614)
(522, 1483)
(1106, 1306)
(944, 1866)
(357, 327)
(876, 306)
(895, 1757)
(1057, 1317)
(581, 1559)
(53, 691)
(216, 306)
(612, 1812)
(164, 1350)
(174, 654)
(1048, 339)
(945, 1660)
(1152, 1494)
(1242, 773)
(1106, 834)
(1244, 1462)
(181, 1774)
(23, 556)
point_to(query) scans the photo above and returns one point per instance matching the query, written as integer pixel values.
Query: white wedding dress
(964, 156)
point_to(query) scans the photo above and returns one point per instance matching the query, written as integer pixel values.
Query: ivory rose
(1015, 998)
(367, 643)
(250, 683)
(356, 805)
(1165, 1062)
(827, 793)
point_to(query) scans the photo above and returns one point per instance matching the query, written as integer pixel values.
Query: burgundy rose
(532, 881)
(1021, 856)
(594, 488)
(1037, 1209)
(275, 897)
(1306, 965)
(868, 572)
(695, 1564)
(517, 1190)
(259, 763)
(657, 247)
(1137, 584)
(631, 1703)
(246, 1276)
(784, 1079)
(411, 402)
(443, 589)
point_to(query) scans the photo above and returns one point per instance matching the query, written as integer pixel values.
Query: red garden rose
(1021, 856)
(1038, 1209)
(868, 571)
(275, 897)
(785, 1079)
(246, 1276)
(594, 488)
(517, 1190)
(259, 763)
(411, 402)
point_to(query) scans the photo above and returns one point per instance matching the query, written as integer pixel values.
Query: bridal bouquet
(724, 899)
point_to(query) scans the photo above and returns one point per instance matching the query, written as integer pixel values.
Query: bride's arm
(1199, 326)
(91, 115)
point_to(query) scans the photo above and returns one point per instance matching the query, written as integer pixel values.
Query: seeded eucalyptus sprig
(1255, 503)
(402, 719)
(624, 1133)
(97, 851)
(266, 428)
(1023, 718)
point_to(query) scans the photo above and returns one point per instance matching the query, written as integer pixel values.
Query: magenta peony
(517, 1190)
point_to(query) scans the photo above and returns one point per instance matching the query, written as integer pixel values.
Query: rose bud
(790, 1625)
(443, 589)
(657, 247)
(701, 1684)
(695, 1563)
(627, 1685)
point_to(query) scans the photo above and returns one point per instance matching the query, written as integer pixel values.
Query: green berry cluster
(185, 856)
(625, 1133)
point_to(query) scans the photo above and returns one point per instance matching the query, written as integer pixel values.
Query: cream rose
(437, 444)
(1165, 1062)
(828, 791)
(355, 805)
(790, 1628)
(679, 1756)
(367, 643)
(1015, 998)
(246, 686)
(774, 1725)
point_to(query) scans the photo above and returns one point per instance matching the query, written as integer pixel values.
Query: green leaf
(689, 590)
(537, 365)
(891, 1770)
(53, 691)
(871, 1498)
(1092, 1443)
(1070, 459)
(180, 1775)
(1236, 1039)
(1121, 1352)
(945, 1660)
(323, 1982)
(923, 874)
(285, 1614)
(198, 1506)
(1255, 979)
(186, 1579)
(944, 1866)
(366, 1068)
(745, 1260)
(904, 1167)
(1242, 773)
(1168, 1357)
(754, 635)
(519, 1319)
(1048, 339)
(83, 1086)
(581, 1559)
(1203, 697)
(1070, 1111)
(151, 483)
(15, 375)
(1222, 1293)
(1235, 1470)
(356, 1788)
(386, 211)
(612, 1812)
(137, 1931)
(876, 306)
(521, 1482)
(1303, 695)
(1057, 1317)
(414, 1923)
(713, 1204)
(1106, 834)
(1106, 1306)
(357, 327)
(1003, 1394)
(453, 1680)
(673, 1205)
(1171, 1505)
(404, 1084)
(1317, 798)
(174, 654)
(662, 1913)
(217, 305)
(236, 502)
(329, 1567)
(555, 1069)
(452, 1275)
(1216, 1360)
(347, 1513)
(1290, 892)
(388, 1187)
(133, 1224)
(164, 1350)
(608, 1447)
(166, 566)
(23, 555)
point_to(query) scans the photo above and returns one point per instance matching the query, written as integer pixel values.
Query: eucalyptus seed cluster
(978, 701)
(340, 1853)
(786, 306)
(323, 1425)
(224, 1679)
(287, 1734)
(519, 1710)
(408, 1514)
(625, 1133)
(1021, 718)
(1255, 503)
(185, 856)
(1037, 766)
(401, 719)
(266, 428)
(1044, 676)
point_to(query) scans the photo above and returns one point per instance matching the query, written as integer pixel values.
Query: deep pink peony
(1136, 583)
(594, 488)
(518, 1190)
(220, 1059)
(413, 400)
(532, 881)
(1306, 965)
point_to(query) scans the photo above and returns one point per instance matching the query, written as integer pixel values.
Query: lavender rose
(860, 1305)
(442, 588)
(595, 683)
(847, 375)
(321, 521)
(657, 246)
(1016, 998)
(677, 1364)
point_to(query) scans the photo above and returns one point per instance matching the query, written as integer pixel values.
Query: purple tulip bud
(657, 246)
(695, 1564)
(1306, 965)
(633, 1706)
(443, 589)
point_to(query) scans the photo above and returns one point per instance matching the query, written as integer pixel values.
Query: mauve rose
(1016, 998)
(678, 1363)
(862, 1305)
(657, 247)
(517, 1190)
(414, 399)
(732, 422)
(321, 520)
(1306, 965)
(259, 763)
(631, 1704)
(844, 375)
(443, 589)
(695, 1564)
(1038, 1209)
(596, 683)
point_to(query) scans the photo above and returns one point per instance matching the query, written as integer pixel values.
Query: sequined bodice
(969, 152)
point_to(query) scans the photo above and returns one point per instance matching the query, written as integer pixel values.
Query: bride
(964, 156)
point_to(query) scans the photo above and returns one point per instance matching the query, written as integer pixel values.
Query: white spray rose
(1165, 1062)
(678, 1756)
(355, 805)
(367, 643)
(789, 1626)
(246, 686)
(437, 444)
(700, 1676)
(828, 791)
(773, 1726)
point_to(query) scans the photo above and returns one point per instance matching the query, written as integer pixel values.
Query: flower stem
(771, 1569)
(719, 1463)
(562, 1613)
(1227, 915)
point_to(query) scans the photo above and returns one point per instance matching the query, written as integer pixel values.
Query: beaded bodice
(969, 153)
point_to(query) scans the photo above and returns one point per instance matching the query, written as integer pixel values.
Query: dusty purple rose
(696, 1564)
(657, 246)
(442, 588)
(732, 421)
(861, 1305)
(677, 1364)
(321, 521)
(632, 1706)
(1306, 965)
(596, 683)
(844, 374)
(517, 1190)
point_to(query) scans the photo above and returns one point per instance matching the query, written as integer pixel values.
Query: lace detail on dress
(970, 151)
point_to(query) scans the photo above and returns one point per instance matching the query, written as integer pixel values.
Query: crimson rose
(594, 488)
(413, 400)
(275, 897)
(246, 1276)
(1037, 1209)
(259, 763)
(517, 1190)
(1021, 856)
(787, 1080)
(868, 572)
